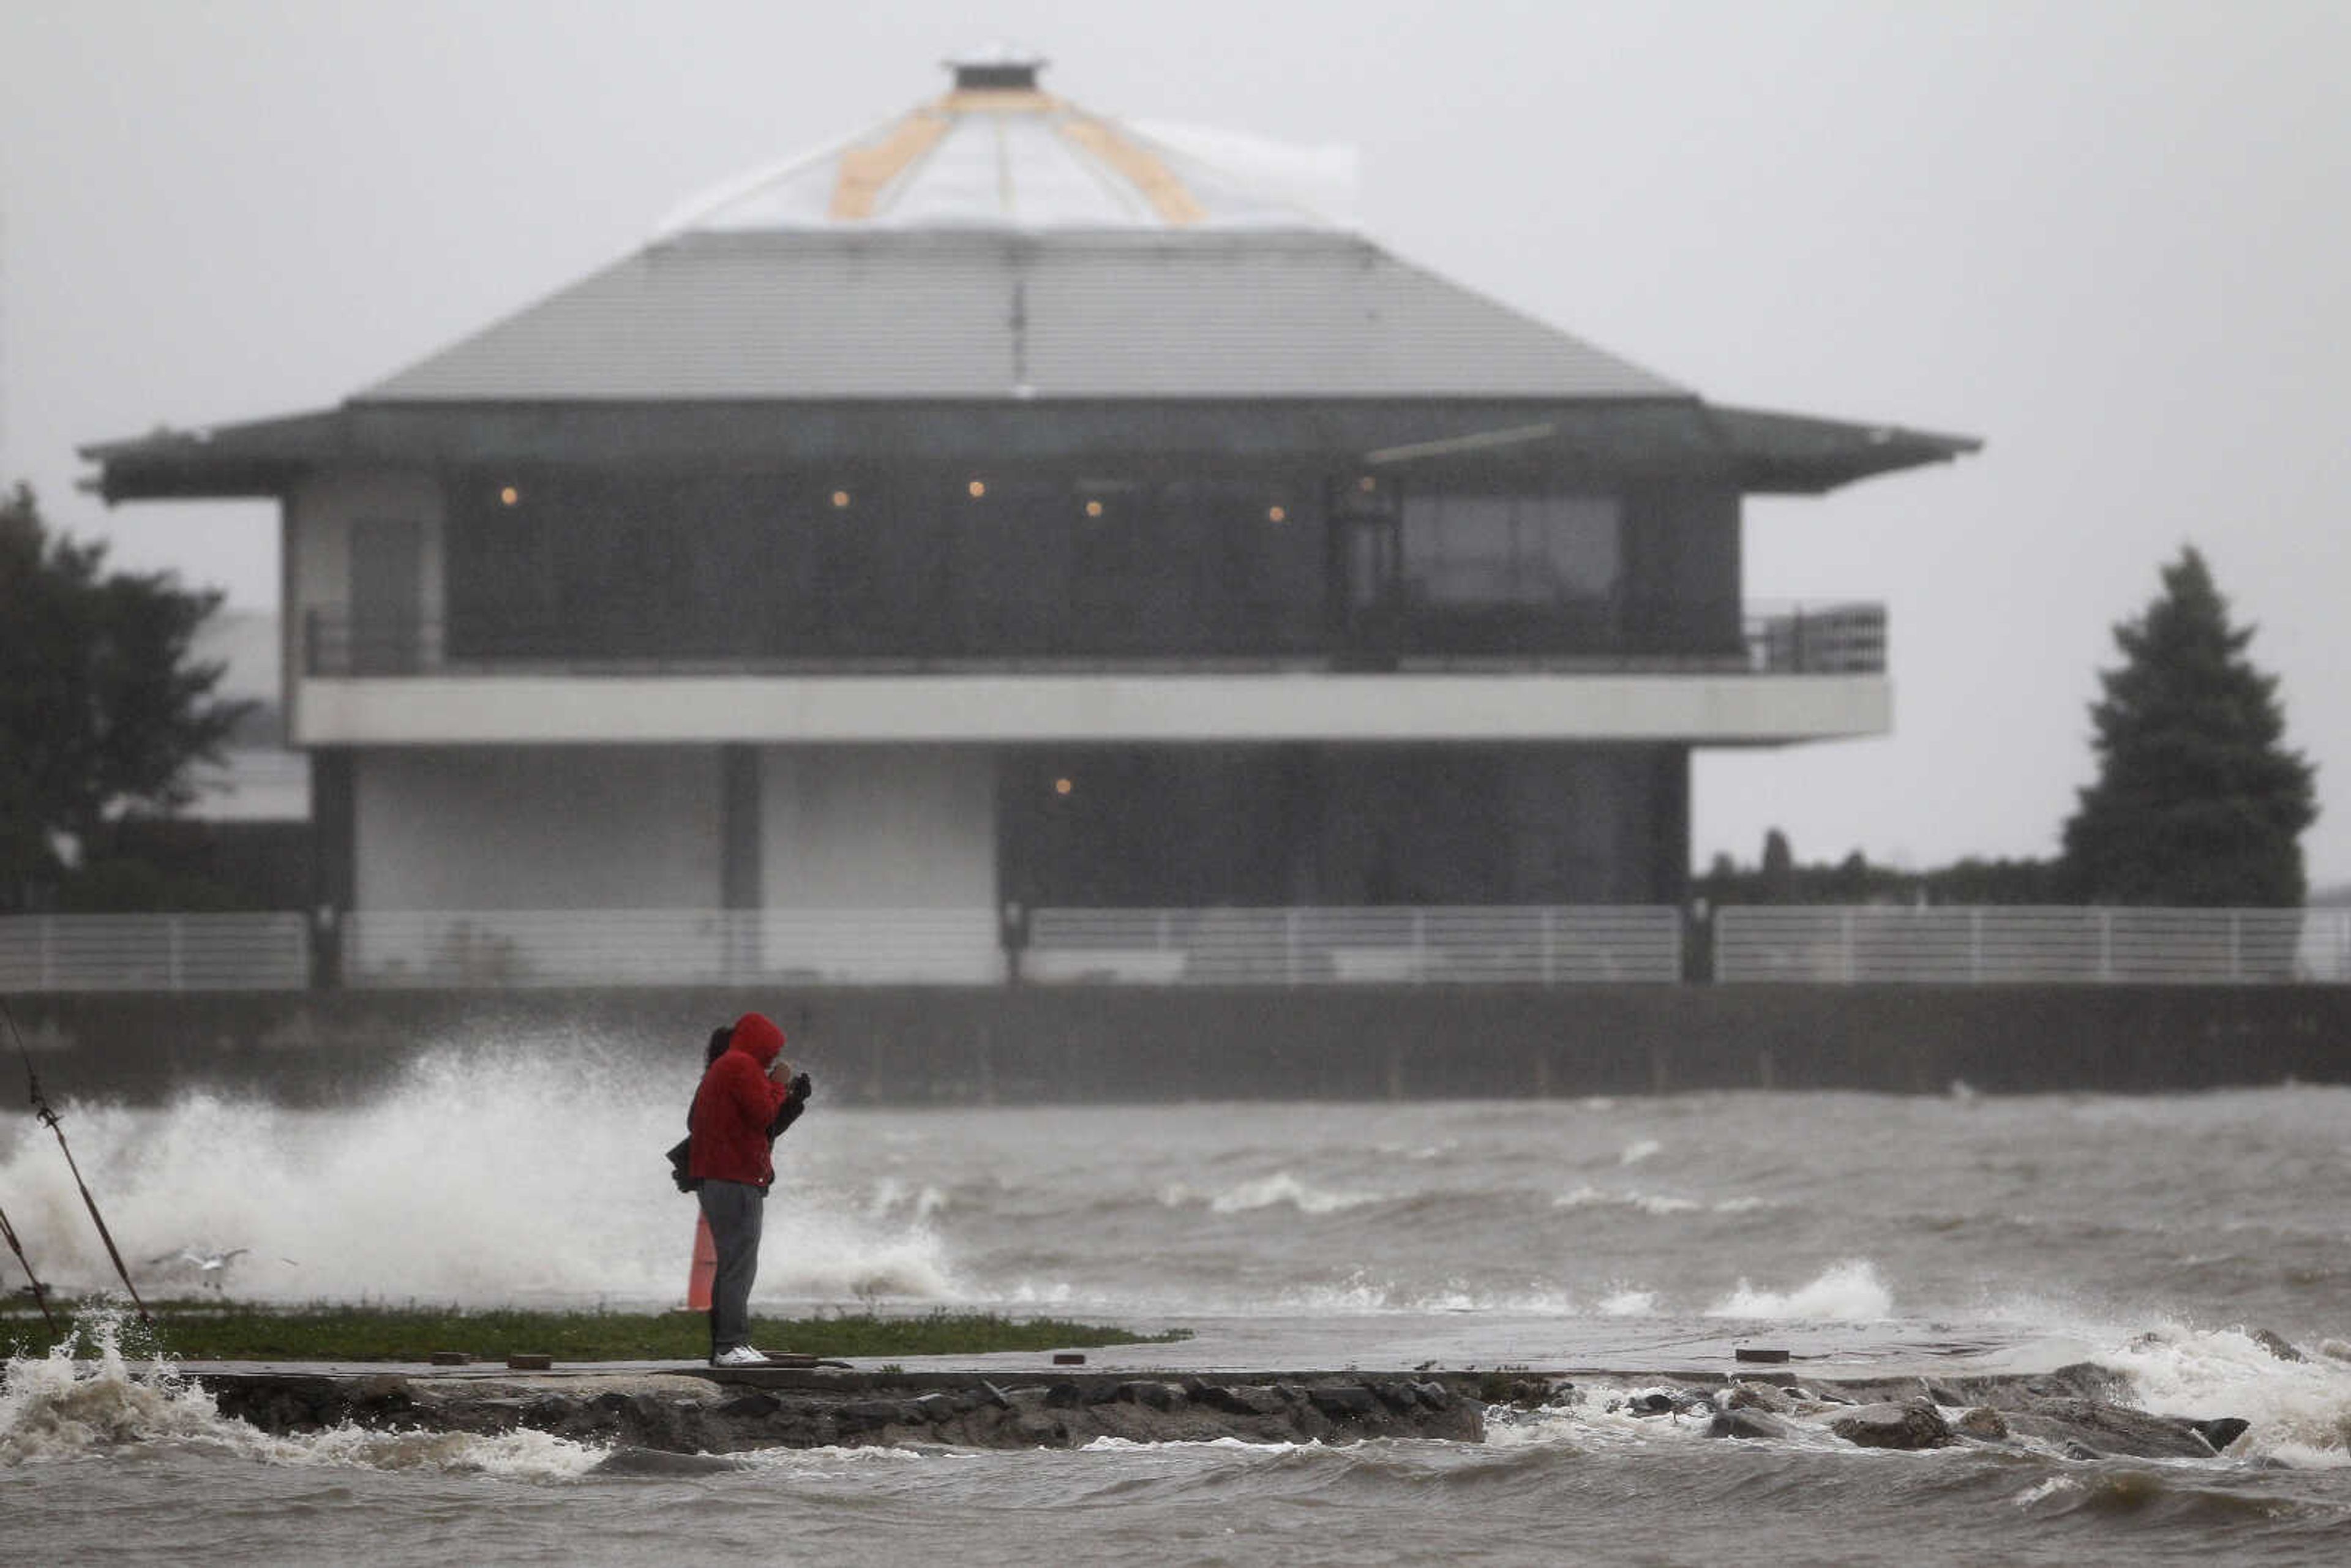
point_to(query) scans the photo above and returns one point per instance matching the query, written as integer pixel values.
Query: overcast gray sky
(2110, 238)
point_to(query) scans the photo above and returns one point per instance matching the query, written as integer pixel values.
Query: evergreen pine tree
(2197, 802)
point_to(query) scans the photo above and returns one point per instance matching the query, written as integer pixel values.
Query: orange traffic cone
(706, 1267)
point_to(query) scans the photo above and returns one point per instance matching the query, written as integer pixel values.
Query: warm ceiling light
(1093, 509)
(509, 495)
(1277, 514)
(977, 489)
(841, 500)
(1062, 785)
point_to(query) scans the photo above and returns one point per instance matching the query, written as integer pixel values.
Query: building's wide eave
(1432, 441)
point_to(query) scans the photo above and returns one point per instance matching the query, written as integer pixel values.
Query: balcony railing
(1837, 638)
(1817, 640)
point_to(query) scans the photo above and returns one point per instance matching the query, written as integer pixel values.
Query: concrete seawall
(932, 1045)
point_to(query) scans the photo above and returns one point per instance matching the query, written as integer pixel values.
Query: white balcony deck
(1734, 708)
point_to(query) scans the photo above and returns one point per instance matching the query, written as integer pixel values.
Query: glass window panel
(1570, 546)
(1510, 549)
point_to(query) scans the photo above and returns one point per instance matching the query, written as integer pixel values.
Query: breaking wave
(1848, 1292)
(514, 1171)
(1266, 1192)
(85, 1398)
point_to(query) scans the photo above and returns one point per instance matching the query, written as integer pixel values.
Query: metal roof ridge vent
(996, 68)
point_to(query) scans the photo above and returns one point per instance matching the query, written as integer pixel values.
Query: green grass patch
(210, 1331)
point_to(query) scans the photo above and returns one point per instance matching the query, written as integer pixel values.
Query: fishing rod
(50, 1119)
(40, 1291)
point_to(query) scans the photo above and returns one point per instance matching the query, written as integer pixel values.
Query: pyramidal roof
(999, 242)
(998, 151)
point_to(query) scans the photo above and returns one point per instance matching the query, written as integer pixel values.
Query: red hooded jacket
(736, 1104)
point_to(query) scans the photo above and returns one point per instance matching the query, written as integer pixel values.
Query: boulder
(1147, 1391)
(2078, 1380)
(1345, 1401)
(2221, 1431)
(1757, 1396)
(2111, 1429)
(1747, 1422)
(1239, 1399)
(1983, 1423)
(2276, 1343)
(1918, 1426)
(1036, 1429)
(635, 1461)
(867, 1412)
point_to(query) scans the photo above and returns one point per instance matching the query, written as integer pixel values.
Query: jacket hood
(756, 1034)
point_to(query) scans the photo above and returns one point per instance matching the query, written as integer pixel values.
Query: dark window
(1468, 550)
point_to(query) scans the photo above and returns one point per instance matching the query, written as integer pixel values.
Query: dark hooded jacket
(735, 1106)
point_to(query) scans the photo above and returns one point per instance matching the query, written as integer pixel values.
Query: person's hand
(800, 1086)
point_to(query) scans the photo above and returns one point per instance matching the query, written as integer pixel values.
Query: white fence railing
(400, 948)
(1490, 945)
(1494, 946)
(2042, 946)
(154, 953)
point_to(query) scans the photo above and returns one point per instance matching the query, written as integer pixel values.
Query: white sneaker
(739, 1355)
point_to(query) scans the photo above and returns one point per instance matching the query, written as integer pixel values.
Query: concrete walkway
(1250, 1349)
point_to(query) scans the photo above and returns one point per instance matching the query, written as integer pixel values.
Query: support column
(740, 883)
(1670, 827)
(334, 858)
(739, 827)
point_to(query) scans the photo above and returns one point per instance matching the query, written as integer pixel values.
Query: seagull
(211, 1267)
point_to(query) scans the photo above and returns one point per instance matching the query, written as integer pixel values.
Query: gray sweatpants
(733, 1208)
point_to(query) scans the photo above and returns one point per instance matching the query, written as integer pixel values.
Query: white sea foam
(2300, 1410)
(1629, 1304)
(1658, 1204)
(1265, 1192)
(1108, 1445)
(1588, 1196)
(1362, 1293)
(1638, 1150)
(2043, 1490)
(1849, 1292)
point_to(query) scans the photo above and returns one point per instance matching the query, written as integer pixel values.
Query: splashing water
(526, 1171)
(87, 1399)
(1849, 1292)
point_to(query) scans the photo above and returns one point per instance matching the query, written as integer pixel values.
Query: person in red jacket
(746, 1090)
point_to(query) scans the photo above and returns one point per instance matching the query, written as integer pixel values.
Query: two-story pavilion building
(1009, 505)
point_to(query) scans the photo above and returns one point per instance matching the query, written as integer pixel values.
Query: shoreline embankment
(671, 1419)
(1078, 1044)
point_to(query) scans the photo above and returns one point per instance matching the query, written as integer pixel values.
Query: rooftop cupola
(998, 151)
(998, 67)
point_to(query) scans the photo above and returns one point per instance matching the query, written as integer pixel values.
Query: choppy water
(2146, 1233)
